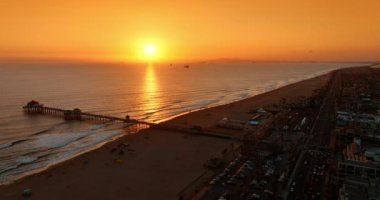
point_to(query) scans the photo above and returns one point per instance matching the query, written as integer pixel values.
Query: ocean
(153, 93)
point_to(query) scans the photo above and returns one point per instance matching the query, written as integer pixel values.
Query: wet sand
(154, 164)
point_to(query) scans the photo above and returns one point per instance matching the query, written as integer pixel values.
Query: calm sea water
(150, 92)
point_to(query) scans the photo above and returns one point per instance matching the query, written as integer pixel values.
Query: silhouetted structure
(34, 107)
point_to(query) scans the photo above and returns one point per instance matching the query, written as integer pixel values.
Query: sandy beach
(152, 164)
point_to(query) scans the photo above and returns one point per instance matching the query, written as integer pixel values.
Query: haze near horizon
(166, 31)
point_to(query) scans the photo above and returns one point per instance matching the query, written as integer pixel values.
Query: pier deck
(33, 107)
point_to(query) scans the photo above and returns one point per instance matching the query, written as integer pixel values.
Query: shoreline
(41, 170)
(36, 171)
(251, 96)
(200, 117)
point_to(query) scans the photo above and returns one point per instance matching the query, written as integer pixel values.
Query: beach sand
(156, 164)
(239, 110)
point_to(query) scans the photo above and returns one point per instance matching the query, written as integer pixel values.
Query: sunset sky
(339, 30)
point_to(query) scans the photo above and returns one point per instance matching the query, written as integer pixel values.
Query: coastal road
(323, 124)
(319, 135)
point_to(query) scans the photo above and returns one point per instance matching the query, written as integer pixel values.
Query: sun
(150, 50)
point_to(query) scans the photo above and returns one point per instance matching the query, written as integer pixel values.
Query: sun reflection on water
(151, 102)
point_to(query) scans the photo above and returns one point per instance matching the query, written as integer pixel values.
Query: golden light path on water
(151, 101)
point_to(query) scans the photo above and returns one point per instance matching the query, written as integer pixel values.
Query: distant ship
(186, 66)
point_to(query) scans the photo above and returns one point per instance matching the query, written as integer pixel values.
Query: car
(231, 182)
(250, 169)
(268, 192)
(223, 197)
(243, 195)
(241, 176)
(241, 168)
(226, 195)
(255, 196)
(247, 165)
(254, 182)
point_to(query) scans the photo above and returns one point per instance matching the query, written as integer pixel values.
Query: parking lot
(247, 178)
(309, 181)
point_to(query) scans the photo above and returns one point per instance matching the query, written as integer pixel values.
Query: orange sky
(191, 30)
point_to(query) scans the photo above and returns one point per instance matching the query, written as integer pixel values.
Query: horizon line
(181, 61)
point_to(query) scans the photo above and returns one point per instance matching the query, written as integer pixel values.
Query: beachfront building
(358, 161)
(358, 168)
(358, 188)
(359, 172)
(351, 190)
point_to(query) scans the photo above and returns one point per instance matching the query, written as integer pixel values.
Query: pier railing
(33, 107)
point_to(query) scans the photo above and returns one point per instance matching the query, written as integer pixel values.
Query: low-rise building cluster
(357, 137)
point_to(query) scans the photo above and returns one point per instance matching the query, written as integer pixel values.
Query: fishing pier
(34, 107)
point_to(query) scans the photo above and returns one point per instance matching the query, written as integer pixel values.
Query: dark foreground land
(349, 112)
(274, 159)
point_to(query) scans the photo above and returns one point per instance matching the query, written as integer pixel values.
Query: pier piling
(34, 107)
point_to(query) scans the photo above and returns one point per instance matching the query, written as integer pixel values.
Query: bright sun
(150, 50)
